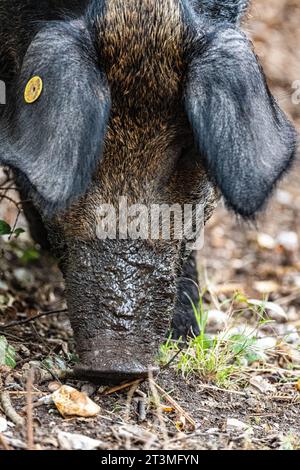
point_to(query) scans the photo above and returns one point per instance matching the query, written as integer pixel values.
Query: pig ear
(241, 133)
(54, 131)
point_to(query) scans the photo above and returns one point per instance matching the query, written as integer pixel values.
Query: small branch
(166, 366)
(118, 388)
(174, 404)
(154, 390)
(9, 188)
(28, 320)
(9, 410)
(15, 224)
(224, 390)
(287, 398)
(10, 199)
(29, 408)
(141, 409)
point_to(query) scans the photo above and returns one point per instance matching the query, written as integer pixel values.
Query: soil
(235, 257)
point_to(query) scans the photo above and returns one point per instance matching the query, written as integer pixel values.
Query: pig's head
(157, 103)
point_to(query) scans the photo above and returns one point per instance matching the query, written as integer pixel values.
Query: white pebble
(288, 240)
(3, 424)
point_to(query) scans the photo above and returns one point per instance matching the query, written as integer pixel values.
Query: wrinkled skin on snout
(160, 102)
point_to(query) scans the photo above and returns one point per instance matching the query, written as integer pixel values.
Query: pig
(160, 101)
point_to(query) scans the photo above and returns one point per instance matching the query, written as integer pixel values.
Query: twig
(28, 320)
(47, 400)
(175, 405)
(118, 388)
(141, 409)
(9, 188)
(154, 389)
(21, 392)
(10, 199)
(9, 410)
(130, 394)
(273, 370)
(218, 389)
(293, 296)
(29, 408)
(4, 443)
(15, 224)
(172, 360)
(295, 398)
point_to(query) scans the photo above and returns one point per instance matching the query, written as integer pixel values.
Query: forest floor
(254, 404)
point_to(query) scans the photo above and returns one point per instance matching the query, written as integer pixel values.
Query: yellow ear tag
(33, 89)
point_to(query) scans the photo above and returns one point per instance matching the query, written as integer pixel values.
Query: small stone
(233, 424)
(3, 424)
(283, 197)
(89, 389)
(290, 334)
(266, 287)
(53, 386)
(295, 356)
(213, 431)
(216, 320)
(3, 285)
(22, 350)
(266, 241)
(243, 329)
(69, 441)
(288, 240)
(293, 314)
(24, 277)
(296, 280)
(71, 402)
(266, 343)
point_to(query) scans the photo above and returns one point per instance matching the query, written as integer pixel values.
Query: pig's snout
(121, 296)
(111, 357)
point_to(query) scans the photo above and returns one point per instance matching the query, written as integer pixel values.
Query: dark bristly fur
(240, 130)
(162, 101)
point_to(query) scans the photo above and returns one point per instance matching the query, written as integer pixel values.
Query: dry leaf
(180, 423)
(288, 355)
(71, 402)
(167, 409)
(298, 385)
(262, 384)
(227, 288)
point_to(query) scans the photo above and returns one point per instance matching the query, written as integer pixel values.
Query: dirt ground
(260, 261)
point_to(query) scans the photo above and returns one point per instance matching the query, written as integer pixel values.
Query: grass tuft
(223, 358)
